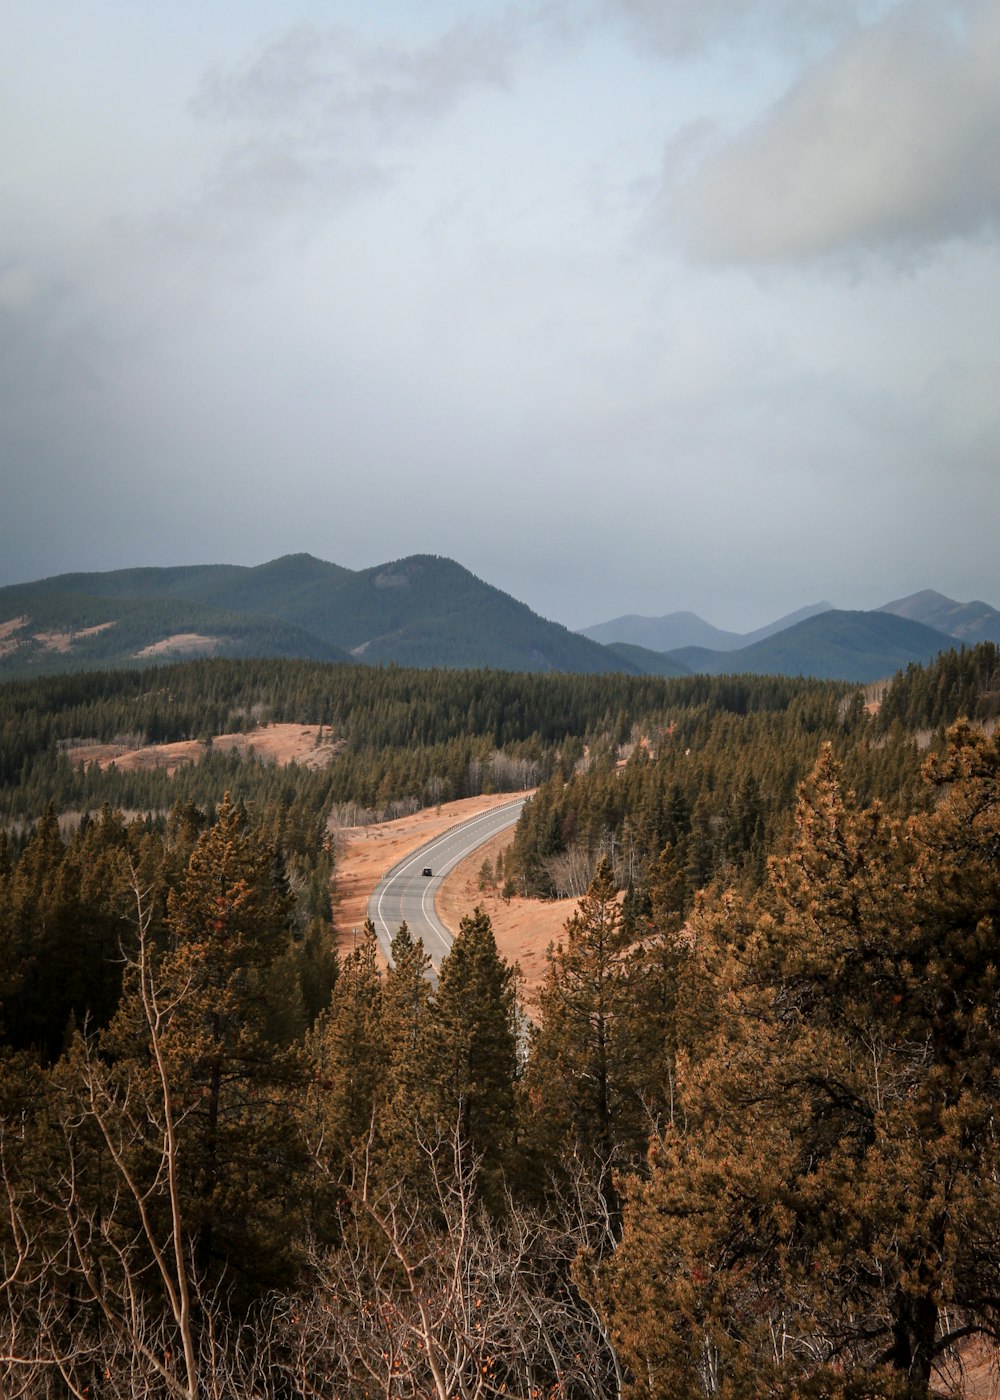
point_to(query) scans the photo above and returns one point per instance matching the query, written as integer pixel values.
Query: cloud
(318, 118)
(891, 144)
(678, 27)
(303, 128)
(328, 91)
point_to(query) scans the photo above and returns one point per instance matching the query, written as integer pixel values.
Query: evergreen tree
(470, 1062)
(582, 1070)
(406, 1010)
(830, 1179)
(234, 1087)
(349, 1059)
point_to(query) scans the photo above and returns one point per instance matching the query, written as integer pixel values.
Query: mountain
(832, 645)
(967, 622)
(661, 634)
(426, 610)
(419, 611)
(687, 629)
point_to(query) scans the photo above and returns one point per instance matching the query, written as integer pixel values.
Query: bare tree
(99, 1281)
(440, 1299)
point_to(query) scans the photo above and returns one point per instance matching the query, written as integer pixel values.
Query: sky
(629, 306)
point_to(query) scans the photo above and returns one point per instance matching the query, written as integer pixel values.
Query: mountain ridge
(834, 645)
(674, 630)
(969, 622)
(426, 610)
(422, 610)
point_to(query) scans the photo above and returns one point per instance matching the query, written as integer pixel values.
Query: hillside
(49, 632)
(834, 645)
(426, 610)
(420, 611)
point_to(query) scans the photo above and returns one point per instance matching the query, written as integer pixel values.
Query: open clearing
(273, 743)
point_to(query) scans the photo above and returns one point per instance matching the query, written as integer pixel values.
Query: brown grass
(274, 743)
(63, 641)
(183, 644)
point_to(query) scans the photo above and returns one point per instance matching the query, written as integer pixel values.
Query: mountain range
(430, 611)
(687, 629)
(419, 611)
(966, 622)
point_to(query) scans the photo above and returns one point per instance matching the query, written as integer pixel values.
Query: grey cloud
(314, 121)
(890, 144)
(320, 117)
(326, 84)
(48, 349)
(678, 27)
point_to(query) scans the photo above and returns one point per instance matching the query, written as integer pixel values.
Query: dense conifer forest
(743, 1144)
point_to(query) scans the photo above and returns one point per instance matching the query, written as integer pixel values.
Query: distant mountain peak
(685, 629)
(966, 622)
(918, 602)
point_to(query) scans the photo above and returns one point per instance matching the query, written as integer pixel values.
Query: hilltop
(419, 611)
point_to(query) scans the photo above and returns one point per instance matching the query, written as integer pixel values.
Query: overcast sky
(626, 305)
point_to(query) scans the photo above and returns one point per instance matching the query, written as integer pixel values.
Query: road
(405, 893)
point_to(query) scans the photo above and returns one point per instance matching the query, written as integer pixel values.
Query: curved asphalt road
(404, 893)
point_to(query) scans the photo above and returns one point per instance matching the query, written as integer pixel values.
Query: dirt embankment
(524, 928)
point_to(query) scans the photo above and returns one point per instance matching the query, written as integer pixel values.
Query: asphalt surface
(404, 892)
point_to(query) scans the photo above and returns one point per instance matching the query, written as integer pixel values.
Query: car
(427, 870)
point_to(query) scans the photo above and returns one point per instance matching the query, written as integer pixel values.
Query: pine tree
(830, 1180)
(581, 1067)
(235, 1088)
(470, 1061)
(349, 1059)
(406, 1010)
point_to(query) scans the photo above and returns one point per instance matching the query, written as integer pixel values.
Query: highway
(404, 892)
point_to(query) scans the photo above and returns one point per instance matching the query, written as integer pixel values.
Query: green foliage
(829, 1177)
(753, 1145)
(233, 1018)
(963, 683)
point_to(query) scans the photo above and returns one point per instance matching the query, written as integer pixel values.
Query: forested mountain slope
(833, 645)
(421, 611)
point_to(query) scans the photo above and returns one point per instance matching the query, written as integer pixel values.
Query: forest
(741, 1144)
